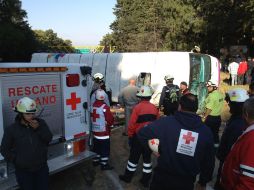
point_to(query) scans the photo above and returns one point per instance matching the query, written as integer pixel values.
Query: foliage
(48, 41)
(18, 41)
(16, 38)
(158, 25)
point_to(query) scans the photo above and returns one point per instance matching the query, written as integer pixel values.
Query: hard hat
(26, 105)
(100, 94)
(154, 145)
(145, 91)
(210, 83)
(98, 77)
(168, 77)
(238, 95)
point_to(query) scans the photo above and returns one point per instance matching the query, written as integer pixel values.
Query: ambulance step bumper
(57, 164)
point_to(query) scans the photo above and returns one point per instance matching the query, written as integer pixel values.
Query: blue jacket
(235, 127)
(167, 130)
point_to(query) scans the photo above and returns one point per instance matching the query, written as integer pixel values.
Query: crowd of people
(241, 71)
(185, 143)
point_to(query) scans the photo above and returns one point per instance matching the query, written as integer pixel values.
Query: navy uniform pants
(163, 181)
(214, 122)
(36, 180)
(102, 149)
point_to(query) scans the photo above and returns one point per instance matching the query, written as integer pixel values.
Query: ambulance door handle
(85, 106)
(84, 83)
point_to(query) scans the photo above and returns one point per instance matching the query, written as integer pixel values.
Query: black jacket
(235, 127)
(26, 147)
(167, 130)
(163, 93)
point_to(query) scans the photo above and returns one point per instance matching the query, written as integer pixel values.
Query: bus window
(144, 79)
(200, 73)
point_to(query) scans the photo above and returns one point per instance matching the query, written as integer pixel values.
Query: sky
(84, 22)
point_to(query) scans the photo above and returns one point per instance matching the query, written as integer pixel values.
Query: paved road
(85, 176)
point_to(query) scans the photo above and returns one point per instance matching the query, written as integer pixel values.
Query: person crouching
(102, 120)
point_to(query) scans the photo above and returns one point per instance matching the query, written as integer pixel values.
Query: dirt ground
(85, 176)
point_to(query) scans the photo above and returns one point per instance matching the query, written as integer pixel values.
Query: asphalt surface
(85, 176)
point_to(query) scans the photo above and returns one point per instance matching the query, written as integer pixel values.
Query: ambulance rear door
(44, 88)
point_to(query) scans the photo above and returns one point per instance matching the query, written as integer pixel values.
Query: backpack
(171, 94)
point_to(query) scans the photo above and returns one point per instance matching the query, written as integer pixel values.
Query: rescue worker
(99, 83)
(102, 120)
(213, 109)
(234, 128)
(251, 89)
(184, 88)
(128, 99)
(143, 114)
(184, 147)
(196, 49)
(169, 96)
(238, 168)
(25, 144)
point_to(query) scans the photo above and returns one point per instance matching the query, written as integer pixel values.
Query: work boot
(107, 167)
(127, 176)
(145, 180)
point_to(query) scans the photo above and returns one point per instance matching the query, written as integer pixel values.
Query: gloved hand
(130, 141)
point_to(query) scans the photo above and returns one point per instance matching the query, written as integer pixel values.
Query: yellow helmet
(26, 105)
(238, 95)
(145, 91)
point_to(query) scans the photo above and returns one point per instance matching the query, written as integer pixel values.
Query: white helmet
(145, 91)
(238, 95)
(100, 94)
(98, 77)
(26, 105)
(168, 77)
(210, 83)
(154, 145)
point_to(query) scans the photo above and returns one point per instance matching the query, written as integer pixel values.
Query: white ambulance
(61, 91)
(148, 67)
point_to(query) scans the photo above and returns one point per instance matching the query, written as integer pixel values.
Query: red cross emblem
(73, 101)
(32, 105)
(153, 142)
(188, 138)
(95, 115)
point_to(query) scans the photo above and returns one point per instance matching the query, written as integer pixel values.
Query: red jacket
(243, 67)
(238, 168)
(108, 118)
(142, 114)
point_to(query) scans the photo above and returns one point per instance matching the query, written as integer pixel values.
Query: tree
(156, 25)
(16, 38)
(48, 41)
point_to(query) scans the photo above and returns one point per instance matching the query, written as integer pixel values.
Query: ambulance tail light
(72, 80)
(68, 146)
(79, 143)
(75, 146)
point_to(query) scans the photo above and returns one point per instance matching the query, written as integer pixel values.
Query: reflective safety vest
(98, 119)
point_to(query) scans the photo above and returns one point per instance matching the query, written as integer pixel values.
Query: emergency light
(72, 80)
